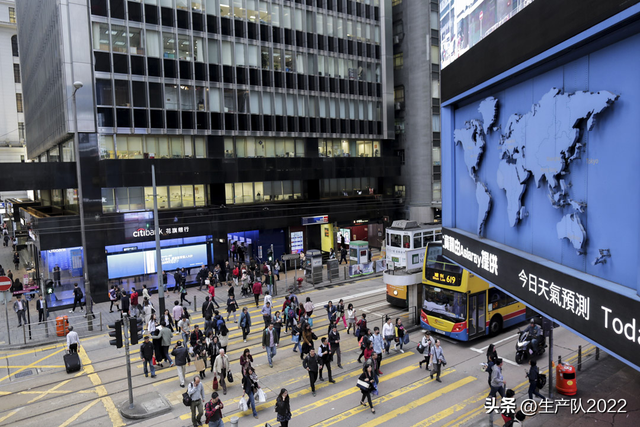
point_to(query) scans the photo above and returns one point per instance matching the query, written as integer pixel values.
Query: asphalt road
(35, 389)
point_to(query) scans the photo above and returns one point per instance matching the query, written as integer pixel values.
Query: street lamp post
(76, 145)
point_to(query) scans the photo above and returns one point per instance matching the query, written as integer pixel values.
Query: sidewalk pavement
(20, 336)
(608, 388)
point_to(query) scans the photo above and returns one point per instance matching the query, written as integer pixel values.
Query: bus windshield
(445, 304)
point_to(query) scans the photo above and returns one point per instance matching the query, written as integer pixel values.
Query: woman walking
(248, 386)
(351, 318)
(427, 343)
(246, 360)
(183, 293)
(213, 347)
(283, 409)
(400, 335)
(340, 313)
(367, 377)
(232, 306)
(307, 341)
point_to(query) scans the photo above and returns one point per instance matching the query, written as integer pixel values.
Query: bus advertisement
(460, 305)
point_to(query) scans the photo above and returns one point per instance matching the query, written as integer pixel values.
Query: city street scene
(310, 213)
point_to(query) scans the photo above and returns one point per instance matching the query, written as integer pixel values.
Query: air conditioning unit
(397, 39)
(399, 106)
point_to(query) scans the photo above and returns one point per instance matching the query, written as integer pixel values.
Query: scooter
(523, 347)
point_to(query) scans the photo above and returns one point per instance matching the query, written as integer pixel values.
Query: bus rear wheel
(495, 326)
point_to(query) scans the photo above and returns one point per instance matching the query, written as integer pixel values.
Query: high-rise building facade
(254, 113)
(416, 63)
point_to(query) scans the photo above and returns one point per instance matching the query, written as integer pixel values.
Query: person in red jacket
(257, 291)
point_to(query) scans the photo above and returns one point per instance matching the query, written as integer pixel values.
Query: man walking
(41, 305)
(202, 276)
(213, 411)
(73, 341)
(20, 306)
(245, 323)
(311, 364)
(437, 360)
(77, 298)
(196, 392)
(378, 346)
(270, 343)
(334, 344)
(497, 380)
(182, 361)
(146, 355)
(343, 255)
(221, 367)
(56, 275)
(325, 356)
(266, 314)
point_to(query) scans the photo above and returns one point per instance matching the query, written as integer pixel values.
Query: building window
(19, 103)
(435, 156)
(100, 36)
(398, 94)
(21, 131)
(399, 190)
(257, 192)
(12, 15)
(399, 126)
(14, 45)
(398, 61)
(435, 55)
(436, 193)
(129, 199)
(67, 151)
(345, 187)
(16, 73)
(396, 2)
(435, 123)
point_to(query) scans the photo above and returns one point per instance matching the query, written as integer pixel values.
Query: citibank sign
(144, 232)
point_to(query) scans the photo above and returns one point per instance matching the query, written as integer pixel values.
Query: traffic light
(116, 333)
(135, 330)
(48, 286)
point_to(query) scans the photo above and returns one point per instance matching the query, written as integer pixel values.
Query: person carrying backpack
(534, 380)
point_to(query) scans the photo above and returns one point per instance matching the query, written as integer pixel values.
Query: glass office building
(252, 111)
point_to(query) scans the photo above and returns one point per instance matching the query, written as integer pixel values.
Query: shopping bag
(311, 322)
(215, 383)
(153, 360)
(242, 405)
(295, 338)
(229, 377)
(261, 396)
(200, 366)
(363, 385)
(405, 339)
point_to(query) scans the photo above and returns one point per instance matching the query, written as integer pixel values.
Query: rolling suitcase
(72, 362)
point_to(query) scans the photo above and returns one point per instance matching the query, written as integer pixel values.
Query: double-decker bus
(405, 245)
(461, 305)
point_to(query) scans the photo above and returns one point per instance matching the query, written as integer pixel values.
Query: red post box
(566, 379)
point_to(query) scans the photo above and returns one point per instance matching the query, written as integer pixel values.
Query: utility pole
(85, 271)
(125, 325)
(156, 228)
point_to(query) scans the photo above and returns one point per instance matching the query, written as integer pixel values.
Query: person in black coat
(125, 303)
(367, 376)
(146, 355)
(283, 409)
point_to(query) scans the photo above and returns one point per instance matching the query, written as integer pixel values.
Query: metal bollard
(100, 321)
(597, 353)
(579, 358)
(194, 303)
(234, 421)
(559, 360)
(24, 333)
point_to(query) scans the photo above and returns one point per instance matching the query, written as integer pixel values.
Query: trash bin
(234, 421)
(566, 379)
(62, 325)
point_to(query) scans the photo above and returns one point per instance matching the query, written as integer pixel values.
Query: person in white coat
(427, 344)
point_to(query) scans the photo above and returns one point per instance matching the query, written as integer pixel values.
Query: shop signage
(130, 248)
(611, 319)
(360, 221)
(147, 232)
(312, 220)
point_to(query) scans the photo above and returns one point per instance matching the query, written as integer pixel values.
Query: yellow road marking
(48, 391)
(302, 392)
(450, 411)
(417, 403)
(9, 415)
(462, 419)
(112, 411)
(32, 364)
(354, 390)
(36, 366)
(79, 413)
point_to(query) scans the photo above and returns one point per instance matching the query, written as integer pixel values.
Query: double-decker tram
(461, 305)
(405, 245)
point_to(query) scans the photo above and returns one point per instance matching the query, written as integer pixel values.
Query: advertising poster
(76, 262)
(381, 265)
(297, 244)
(361, 269)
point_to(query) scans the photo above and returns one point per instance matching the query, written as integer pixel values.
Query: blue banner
(76, 262)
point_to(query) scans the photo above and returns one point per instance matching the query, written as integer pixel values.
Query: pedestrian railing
(55, 328)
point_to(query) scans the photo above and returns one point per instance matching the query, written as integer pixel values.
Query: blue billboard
(144, 262)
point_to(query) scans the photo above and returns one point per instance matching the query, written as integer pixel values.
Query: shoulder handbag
(363, 385)
(186, 399)
(214, 385)
(420, 348)
(229, 376)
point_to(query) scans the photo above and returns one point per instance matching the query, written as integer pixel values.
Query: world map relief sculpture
(543, 143)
